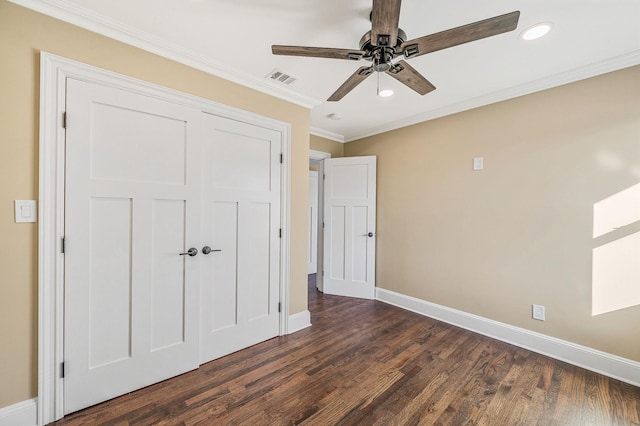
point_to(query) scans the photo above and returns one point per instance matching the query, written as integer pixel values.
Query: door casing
(54, 71)
(313, 222)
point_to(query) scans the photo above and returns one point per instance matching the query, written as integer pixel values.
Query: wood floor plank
(364, 362)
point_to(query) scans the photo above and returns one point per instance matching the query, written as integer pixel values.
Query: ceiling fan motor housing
(381, 56)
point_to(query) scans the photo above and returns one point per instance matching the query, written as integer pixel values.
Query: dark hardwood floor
(367, 363)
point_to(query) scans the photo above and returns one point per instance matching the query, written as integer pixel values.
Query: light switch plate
(478, 163)
(26, 211)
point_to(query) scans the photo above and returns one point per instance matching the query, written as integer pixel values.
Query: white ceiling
(233, 39)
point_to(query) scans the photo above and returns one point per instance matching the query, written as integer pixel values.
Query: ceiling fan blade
(356, 78)
(460, 35)
(318, 52)
(406, 74)
(385, 15)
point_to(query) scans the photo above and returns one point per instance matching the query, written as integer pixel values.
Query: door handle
(207, 250)
(370, 235)
(191, 252)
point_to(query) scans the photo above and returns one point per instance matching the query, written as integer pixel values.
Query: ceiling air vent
(281, 77)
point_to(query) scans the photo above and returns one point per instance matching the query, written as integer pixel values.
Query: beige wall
(23, 34)
(493, 242)
(336, 149)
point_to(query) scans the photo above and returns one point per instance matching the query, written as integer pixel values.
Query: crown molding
(591, 70)
(84, 18)
(316, 131)
(89, 20)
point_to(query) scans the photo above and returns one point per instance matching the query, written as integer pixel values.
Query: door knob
(370, 234)
(207, 250)
(191, 252)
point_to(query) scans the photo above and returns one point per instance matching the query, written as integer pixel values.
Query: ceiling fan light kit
(536, 31)
(386, 42)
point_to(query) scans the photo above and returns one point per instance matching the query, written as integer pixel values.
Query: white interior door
(132, 206)
(350, 226)
(313, 222)
(241, 224)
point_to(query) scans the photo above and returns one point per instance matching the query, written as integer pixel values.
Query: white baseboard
(591, 359)
(23, 413)
(299, 321)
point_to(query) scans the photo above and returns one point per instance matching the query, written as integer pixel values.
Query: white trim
(299, 321)
(316, 131)
(582, 356)
(320, 272)
(21, 414)
(50, 232)
(54, 70)
(285, 213)
(92, 21)
(85, 18)
(592, 70)
(318, 155)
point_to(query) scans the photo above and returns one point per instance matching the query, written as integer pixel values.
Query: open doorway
(316, 194)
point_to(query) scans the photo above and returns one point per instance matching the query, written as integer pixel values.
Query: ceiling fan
(386, 42)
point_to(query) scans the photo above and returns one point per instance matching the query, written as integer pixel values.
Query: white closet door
(132, 206)
(350, 226)
(241, 224)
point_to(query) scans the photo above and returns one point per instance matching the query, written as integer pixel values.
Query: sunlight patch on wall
(616, 211)
(616, 264)
(616, 275)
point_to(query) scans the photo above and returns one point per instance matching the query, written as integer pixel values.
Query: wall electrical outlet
(538, 312)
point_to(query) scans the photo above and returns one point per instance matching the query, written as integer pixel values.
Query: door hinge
(324, 176)
(279, 306)
(64, 120)
(322, 225)
(280, 232)
(62, 246)
(281, 159)
(62, 370)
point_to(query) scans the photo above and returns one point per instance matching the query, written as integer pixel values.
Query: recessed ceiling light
(536, 31)
(385, 93)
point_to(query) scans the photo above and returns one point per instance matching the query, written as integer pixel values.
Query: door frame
(54, 70)
(317, 157)
(313, 174)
